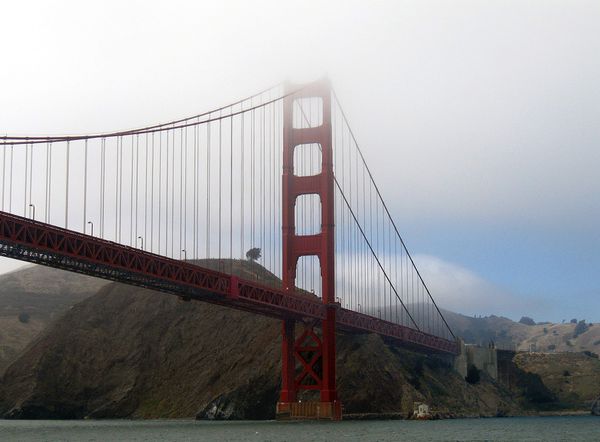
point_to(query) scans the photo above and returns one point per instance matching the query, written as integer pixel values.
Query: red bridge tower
(313, 354)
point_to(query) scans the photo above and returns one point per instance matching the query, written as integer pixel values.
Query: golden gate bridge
(279, 172)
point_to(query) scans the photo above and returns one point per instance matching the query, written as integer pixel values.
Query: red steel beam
(34, 241)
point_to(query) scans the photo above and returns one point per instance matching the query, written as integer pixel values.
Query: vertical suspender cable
(145, 189)
(67, 188)
(231, 194)
(137, 186)
(159, 214)
(47, 215)
(243, 117)
(262, 181)
(172, 198)
(208, 143)
(10, 181)
(4, 172)
(102, 183)
(195, 193)
(131, 205)
(31, 179)
(167, 198)
(117, 181)
(181, 245)
(152, 180)
(26, 180)
(85, 164)
(220, 183)
(185, 186)
(252, 174)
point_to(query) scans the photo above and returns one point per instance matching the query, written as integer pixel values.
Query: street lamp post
(32, 207)
(91, 228)
(142, 241)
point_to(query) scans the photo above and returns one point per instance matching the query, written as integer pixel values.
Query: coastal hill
(130, 352)
(541, 337)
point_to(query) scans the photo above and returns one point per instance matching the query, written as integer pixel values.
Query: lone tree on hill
(253, 254)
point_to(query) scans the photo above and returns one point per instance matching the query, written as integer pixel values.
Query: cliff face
(130, 352)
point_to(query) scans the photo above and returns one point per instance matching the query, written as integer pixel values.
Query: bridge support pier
(308, 363)
(309, 360)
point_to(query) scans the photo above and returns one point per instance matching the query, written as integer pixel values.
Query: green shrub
(580, 328)
(526, 320)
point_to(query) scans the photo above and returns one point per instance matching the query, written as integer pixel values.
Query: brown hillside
(43, 294)
(509, 334)
(573, 377)
(130, 352)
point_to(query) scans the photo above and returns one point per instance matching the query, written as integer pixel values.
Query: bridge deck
(41, 243)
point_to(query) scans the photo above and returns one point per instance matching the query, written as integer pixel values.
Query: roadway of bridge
(33, 241)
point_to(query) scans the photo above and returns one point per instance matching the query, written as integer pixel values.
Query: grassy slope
(44, 294)
(573, 377)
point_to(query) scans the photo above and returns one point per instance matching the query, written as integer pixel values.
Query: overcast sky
(480, 120)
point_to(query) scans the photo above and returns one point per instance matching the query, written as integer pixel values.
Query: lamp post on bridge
(91, 228)
(142, 240)
(32, 207)
(184, 255)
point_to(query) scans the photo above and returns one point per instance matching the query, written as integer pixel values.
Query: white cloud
(461, 290)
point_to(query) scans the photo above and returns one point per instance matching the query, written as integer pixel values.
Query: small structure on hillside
(421, 411)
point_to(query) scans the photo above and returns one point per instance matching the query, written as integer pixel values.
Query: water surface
(584, 428)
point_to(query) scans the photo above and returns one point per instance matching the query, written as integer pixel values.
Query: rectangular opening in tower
(307, 112)
(307, 159)
(308, 274)
(308, 214)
